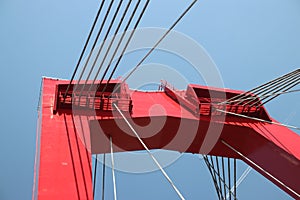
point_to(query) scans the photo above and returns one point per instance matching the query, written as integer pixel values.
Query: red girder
(184, 121)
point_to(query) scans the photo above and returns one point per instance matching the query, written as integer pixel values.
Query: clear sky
(251, 42)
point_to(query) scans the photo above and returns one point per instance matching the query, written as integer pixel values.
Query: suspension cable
(84, 48)
(229, 177)
(290, 86)
(250, 93)
(272, 87)
(279, 88)
(216, 174)
(224, 180)
(109, 46)
(241, 179)
(105, 37)
(95, 176)
(234, 178)
(218, 169)
(103, 176)
(260, 120)
(161, 39)
(224, 177)
(262, 90)
(243, 176)
(125, 47)
(113, 168)
(157, 43)
(149, 152)
(268, 95)
(219, 177)
(260, 168)
(212, 175)
(259, 88)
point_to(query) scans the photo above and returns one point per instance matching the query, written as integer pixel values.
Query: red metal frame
(190, 117)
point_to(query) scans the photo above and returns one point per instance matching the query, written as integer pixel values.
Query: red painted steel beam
(64, 170)
(270, 149)
(175, 120)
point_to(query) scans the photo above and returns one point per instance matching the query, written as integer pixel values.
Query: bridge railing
(210, 106)
(92, 101)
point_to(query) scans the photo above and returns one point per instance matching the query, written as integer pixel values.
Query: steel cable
(150, 154)
(291, 85)
(84, 48)
(214, 174)
(157, 43)
(109, 47)
(280, 84)
(247, 94)
(113, 168)
(125, 47)
(103, 177)
(105, 37)
(272, 84)
(95, 175)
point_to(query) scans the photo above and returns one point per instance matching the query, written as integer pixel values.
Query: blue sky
(250, 41)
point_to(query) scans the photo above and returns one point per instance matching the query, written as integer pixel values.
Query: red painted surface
(184, 121)
(63, 156)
